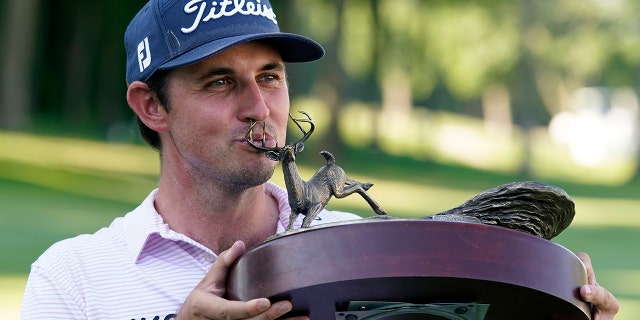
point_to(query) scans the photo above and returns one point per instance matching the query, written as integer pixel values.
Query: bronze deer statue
(310, 197)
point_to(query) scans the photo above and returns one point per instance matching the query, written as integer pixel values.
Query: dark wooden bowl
(320, 270)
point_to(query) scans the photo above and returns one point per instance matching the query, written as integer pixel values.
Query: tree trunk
(526, 100)
(20, 20)
(333, 81)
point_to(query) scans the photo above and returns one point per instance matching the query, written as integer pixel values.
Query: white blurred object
(600, 128)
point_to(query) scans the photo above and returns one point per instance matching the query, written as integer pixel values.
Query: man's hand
(206, 302)
(605, 304)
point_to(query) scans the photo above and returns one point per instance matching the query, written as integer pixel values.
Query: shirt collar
(145, 224)
(141, 224)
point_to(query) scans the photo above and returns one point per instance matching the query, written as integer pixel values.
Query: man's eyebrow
(273, 66)
(219, 71)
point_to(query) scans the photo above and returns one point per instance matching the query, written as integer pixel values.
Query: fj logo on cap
(225, 8)
(144, 55)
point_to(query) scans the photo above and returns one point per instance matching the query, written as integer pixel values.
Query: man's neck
(216, 217)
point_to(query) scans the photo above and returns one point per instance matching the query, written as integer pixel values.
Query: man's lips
(257, 138)
(259, 135)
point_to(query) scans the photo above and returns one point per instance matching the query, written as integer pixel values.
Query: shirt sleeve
(46, 298)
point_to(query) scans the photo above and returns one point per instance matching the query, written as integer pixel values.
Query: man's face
(211, 104)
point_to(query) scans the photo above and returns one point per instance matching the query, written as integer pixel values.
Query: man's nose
(253, 102)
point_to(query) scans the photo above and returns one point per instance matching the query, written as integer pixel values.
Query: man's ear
(146, 105)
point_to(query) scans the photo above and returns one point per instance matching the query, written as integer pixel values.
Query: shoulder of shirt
(73, 251)
(331, 216)
(334, 216)
(90, 247)
(126, 235)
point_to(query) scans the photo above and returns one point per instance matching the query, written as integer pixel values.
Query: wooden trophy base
(421, 269)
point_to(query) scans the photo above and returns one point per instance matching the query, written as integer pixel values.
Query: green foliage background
(401, 81)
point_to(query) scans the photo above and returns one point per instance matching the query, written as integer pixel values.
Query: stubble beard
(246, 177)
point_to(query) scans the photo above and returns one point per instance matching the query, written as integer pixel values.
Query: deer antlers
(275, 153)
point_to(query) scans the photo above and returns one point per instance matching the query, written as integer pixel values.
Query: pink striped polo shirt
(137, 268)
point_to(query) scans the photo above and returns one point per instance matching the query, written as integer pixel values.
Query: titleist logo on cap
(225, 8)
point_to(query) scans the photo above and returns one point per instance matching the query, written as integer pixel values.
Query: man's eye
(218, 83)
(270, 78)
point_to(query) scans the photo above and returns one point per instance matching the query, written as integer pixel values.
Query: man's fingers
(239, 309)
(207, 302)
(259, 308)
(606, 305)
(215, 280)
(229, 256)
(586, 260)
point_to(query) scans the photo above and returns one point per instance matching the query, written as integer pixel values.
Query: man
(198, 74)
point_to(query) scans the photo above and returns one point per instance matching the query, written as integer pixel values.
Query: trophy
(489, 258)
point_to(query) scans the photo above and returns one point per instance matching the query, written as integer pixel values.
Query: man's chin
(254, 178)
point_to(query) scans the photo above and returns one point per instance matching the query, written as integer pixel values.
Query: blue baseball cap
(166, 34)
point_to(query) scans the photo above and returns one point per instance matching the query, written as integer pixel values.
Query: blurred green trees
(512, 62)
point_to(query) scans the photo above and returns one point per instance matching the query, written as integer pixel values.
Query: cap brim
(292, 48)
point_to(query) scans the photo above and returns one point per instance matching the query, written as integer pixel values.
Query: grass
(48, 195)
(35, 217)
